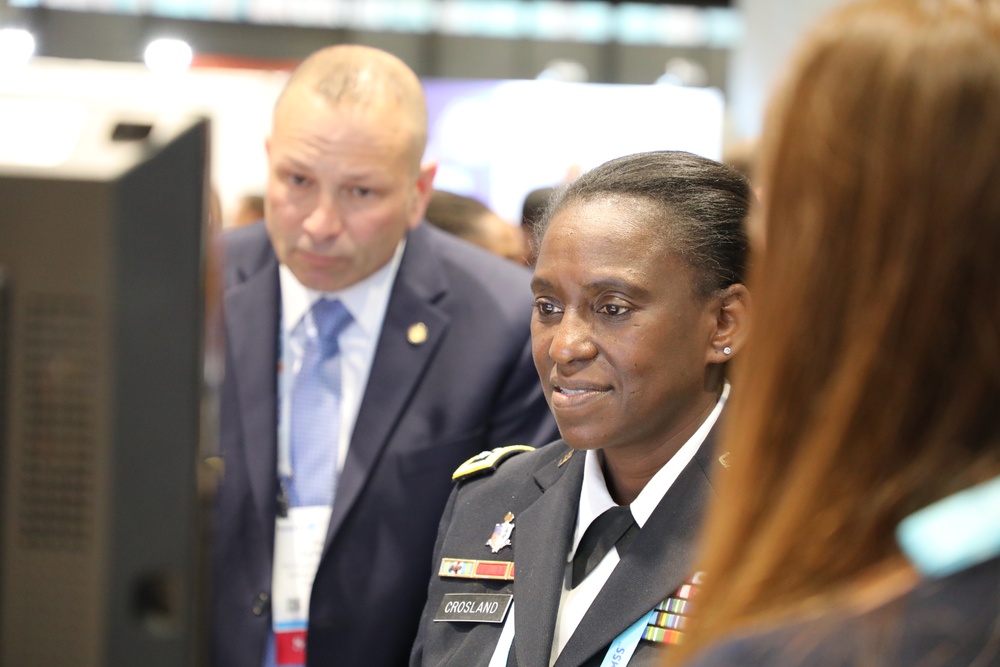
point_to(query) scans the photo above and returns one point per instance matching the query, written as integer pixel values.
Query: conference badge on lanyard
(298, 546)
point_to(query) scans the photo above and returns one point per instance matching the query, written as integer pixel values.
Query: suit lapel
(656, 564)
(397, 367)
(253, 351)
(545, 530)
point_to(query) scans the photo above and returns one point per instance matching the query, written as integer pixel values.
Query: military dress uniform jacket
(542, 490)
(465, 384)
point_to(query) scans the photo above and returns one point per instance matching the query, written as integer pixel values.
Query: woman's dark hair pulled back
(700, 205)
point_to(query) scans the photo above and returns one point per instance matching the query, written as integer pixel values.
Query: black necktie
(615, 528)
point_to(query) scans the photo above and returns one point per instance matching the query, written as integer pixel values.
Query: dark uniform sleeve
(416, 656)
(472, 511)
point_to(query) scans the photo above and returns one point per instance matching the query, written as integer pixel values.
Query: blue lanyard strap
(665, 624)
(624, 645)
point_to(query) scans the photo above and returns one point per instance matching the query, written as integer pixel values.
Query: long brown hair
(870, 386)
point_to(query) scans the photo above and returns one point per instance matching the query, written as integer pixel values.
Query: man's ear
(425, 188)
(732, 323)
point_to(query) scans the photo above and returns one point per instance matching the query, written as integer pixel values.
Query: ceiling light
(168, 55)
(16, 46)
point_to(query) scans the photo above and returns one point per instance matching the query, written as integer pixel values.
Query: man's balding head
(345, 179)
(363, 77)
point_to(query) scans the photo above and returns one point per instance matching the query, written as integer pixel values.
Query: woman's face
(620, 340)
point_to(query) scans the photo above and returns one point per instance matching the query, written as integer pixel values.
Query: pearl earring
(727, 350)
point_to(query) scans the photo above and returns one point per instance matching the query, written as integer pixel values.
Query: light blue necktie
(315, 414)
(314, 431)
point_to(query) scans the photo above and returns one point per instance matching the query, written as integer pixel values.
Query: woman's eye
(614, 309)
(545, 308)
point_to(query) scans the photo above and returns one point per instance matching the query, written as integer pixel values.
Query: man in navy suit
(434, 366)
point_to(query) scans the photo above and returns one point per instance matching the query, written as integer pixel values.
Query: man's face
(343, 188)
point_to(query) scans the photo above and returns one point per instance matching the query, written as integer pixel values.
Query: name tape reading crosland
(474, 607)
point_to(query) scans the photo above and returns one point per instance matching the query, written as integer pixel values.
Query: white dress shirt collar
(365, 300)
(595, 497)
(594, 500)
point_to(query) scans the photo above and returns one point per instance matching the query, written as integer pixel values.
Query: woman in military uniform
(579, 553)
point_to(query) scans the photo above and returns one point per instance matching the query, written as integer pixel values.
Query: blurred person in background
(250, 209)
(532, 210)
(742, 156)
(860, 522)
(470, 219)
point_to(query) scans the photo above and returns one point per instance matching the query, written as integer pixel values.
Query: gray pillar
(772, 29)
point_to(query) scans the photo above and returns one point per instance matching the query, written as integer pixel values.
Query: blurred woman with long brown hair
(860, 522)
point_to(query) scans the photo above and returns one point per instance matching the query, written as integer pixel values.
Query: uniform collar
(595, 498)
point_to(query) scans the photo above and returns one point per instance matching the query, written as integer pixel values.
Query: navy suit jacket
(427, 407)
(950, 622)
(544, 496)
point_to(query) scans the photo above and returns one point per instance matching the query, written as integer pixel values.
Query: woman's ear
(732, 323)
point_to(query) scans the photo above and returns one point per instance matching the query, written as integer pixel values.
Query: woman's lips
(569, 397)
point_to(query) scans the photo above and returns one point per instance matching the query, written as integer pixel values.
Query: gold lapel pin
(565, 457)
(417, 333)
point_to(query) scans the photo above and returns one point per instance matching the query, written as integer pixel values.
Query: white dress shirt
(366, 301)
(594, 500)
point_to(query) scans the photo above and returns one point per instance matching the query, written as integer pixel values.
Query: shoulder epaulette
(486, 462)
